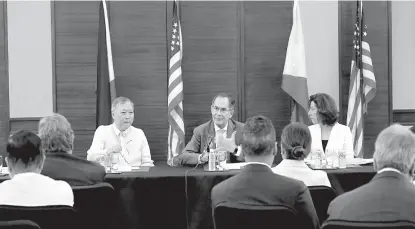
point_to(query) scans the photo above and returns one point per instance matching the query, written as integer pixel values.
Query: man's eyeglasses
(218, 109)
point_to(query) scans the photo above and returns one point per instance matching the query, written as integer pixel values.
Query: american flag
(362, 81)
(175, 90)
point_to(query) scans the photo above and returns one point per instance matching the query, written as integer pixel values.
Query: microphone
(207, 147)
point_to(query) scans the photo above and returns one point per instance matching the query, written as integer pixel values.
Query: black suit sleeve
(305, 209)
(191, 152)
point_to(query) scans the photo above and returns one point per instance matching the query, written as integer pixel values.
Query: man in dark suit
(221, 130)
(257, 185)
(57, 141)
(389, 196)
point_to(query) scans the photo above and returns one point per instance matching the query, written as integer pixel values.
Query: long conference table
(179, 198)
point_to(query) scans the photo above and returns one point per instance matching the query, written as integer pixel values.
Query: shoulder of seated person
(296, 184)
(320, 173)
(313, 126)
(104, 127)
(136, 129)
(201, 126)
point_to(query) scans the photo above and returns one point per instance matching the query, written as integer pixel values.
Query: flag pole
(362, 92)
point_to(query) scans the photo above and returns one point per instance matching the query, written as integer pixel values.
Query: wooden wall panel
(267, 29)
(225, 43)
(210, 57)
(138, 33)
(30, 124)
(4, 80)
(76, 36)
(376, 16)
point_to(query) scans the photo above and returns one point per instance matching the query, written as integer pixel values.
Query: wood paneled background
(227, 46)
(236, 47)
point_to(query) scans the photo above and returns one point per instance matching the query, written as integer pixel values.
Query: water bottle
(212, 157)
(335, 158)
(212, 161)
(317, 159)
(342, 156)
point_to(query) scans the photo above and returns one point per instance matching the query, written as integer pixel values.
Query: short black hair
(25, 146)
(326, 108)
(258, 136)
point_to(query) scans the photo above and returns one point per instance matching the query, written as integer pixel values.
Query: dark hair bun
(298, 152)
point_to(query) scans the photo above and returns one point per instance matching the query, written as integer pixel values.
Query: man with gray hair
(57, 139)
(121, 139)
(389, 196)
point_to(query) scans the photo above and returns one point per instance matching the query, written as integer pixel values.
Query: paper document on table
(4, 170)
(232, 166)
(124, 168)
(359, 161)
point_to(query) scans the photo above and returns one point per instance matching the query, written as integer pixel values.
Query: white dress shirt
(300, 171)
(218, 131)
(33, 189)
(135, 149)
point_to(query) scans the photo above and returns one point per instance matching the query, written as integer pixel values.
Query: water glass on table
(114, 159)
(221, 157)
(332, 158)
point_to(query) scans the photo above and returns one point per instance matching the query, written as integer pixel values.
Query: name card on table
(129, 169)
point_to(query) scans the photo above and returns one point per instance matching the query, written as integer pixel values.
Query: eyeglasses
(218, 109)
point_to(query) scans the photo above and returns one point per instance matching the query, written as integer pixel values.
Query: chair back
(47, 217)
(18, 224)
(342, 224)
(94, 204)
(322, 197)
(264, 217)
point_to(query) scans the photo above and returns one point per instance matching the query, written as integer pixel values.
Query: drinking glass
(114, 161)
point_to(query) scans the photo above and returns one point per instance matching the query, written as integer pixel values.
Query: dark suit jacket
(72, 169)
(199, 141)
(388, 196)
(256, 184)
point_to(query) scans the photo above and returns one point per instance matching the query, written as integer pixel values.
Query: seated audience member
(256, 184)
(57, 142)
(326, 133)
(389, 196)
(221, 129)
(27, 186)
(295, 146)
(121, 138)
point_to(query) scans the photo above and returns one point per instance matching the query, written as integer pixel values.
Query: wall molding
(405, 117)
